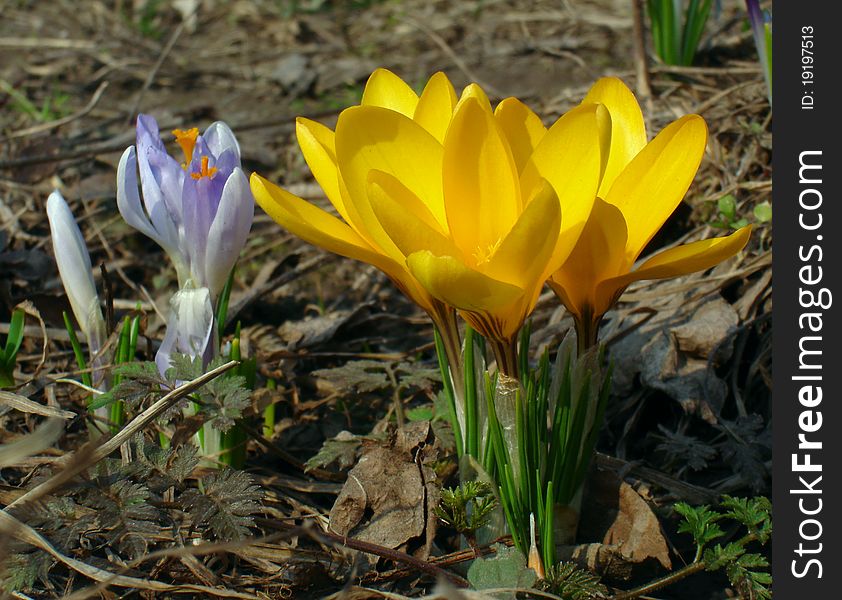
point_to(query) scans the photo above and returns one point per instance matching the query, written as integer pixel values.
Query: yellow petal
(569, 157)
(688, 258)
(387, 90)
(599, 254)
(402, 216)
(317, 146)
(311, 223)
(449, 280)
(472, 90)
(524, 253)
(480, 182)
(372, 138)
(317, 227)
(522, 128)
(651, 187)
(628, 131)
(435, 106)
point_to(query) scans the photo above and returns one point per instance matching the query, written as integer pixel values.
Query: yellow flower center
(205, 172)
(483, 255)
(187, 140)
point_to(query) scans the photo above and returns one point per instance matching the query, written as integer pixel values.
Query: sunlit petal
(310, 222)
(479, 178)
(651, 187)
(523, 254)
(398, 212)
(387, 90)
(628, 131)
(522, 128)
(449, 280)
(372, 138)
(220, 139)
(472, 90)
(435, 106)
(687, 258)
(599, 254)
(228, 230)
(319, 150)
(569, 157)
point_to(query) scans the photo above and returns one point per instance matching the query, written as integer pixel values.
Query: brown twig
(644, 88)
(394, 555)
(142, 420)
(158, 63)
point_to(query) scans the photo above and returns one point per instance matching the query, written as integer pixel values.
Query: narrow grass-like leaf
(77, 350)
(222, 308)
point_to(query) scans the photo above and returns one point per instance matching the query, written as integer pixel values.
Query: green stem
(269, 413)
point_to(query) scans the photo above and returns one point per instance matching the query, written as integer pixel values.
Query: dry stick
(119, 142)
(64, 120)
(395, 555)
(124, 434)
(644, 89)
(151, 77)
(256, 292)
(9, 525)
(460, 64)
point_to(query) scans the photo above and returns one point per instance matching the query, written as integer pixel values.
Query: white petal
(219, 138)
(74, 267)
(229, 230)
(189, 326)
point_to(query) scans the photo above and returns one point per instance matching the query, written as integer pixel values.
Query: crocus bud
(74, 267)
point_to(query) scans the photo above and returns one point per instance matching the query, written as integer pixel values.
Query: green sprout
(676, 30)
(9, 353)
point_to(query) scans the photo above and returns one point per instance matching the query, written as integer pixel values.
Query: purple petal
(128, 197)
(148, 134)
(228, 231)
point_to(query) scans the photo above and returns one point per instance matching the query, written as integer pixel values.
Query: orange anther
(205, 172)
(187, 140)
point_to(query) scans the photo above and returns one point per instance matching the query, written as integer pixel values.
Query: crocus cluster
(472, 208)
(199, 209)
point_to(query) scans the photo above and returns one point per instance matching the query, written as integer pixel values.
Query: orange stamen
(205, 172)
(187, 141)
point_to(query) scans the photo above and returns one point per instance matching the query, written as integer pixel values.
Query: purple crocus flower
(199, 210)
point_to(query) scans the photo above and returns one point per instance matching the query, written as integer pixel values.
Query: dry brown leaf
(388, 496)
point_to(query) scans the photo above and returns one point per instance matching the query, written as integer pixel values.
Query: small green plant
(676, 30)
(9, 353)
(747, 571)
(569, 582)
(728, 216)
(53, 107)
(467, 508)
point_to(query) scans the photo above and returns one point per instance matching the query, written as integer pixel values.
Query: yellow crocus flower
(340, 163)
(642, 185)
(489, 229)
